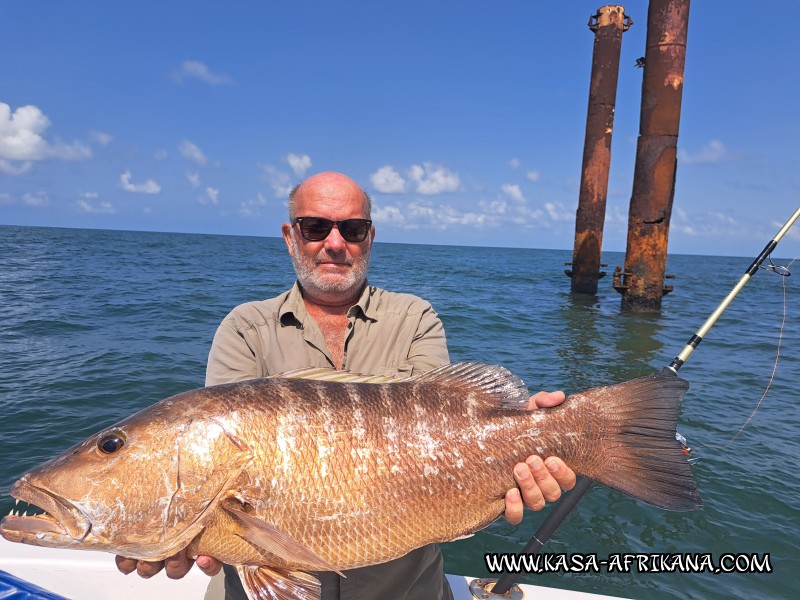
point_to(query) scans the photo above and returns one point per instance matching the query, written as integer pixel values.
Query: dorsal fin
(493, 380)
(328, 374)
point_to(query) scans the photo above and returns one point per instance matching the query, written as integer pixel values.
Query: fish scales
(282, 475)
(345, 481)
(350, 481)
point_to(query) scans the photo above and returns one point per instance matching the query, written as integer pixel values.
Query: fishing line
(783, 271)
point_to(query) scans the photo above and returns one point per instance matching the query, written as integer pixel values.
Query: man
(333, 318)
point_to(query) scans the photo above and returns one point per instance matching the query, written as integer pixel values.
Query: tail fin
(642, 457)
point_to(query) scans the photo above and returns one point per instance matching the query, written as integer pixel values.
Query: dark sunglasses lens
(354, 230)
(315, 230)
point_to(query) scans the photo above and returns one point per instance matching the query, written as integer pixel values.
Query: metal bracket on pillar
(597, 19)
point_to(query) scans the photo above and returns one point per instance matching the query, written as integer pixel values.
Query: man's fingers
(532, 496)
(126, 565)
(209, 566)
(545, 400)
(177, 565)
(561, 473)
(514, 507)
(543, 487)
(148, 569)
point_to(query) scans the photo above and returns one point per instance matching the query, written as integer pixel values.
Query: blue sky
(465, 120)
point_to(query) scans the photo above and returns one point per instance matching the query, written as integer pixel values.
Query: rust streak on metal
(642, 280)
(608, 25)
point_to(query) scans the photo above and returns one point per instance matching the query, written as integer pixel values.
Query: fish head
(142, 488)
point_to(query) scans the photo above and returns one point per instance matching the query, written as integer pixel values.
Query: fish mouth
(61, 522)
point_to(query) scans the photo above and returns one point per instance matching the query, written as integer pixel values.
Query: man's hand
(539, 481)
(176, 566)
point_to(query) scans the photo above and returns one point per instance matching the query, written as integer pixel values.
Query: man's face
(333, 269)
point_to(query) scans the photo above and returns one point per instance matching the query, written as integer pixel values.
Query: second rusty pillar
(642, 281)
(608, 25)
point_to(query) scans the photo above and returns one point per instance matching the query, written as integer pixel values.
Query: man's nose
(335, 242)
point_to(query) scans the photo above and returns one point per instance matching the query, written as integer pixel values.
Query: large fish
(281, 476)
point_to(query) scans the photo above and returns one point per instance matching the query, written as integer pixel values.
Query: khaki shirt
(388, 334)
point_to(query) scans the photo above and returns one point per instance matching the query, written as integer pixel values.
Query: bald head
(328, 185)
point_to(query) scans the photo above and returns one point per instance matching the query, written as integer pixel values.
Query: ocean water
(95, 325)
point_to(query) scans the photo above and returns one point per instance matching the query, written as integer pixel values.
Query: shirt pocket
(402, 370)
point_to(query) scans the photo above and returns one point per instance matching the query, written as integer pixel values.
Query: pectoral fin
(278, 543)
(264, 583)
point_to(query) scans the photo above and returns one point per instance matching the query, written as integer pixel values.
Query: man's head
(332, 269)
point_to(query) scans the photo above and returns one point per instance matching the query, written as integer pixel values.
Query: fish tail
(640, 455)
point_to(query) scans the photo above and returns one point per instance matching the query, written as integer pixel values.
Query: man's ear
(286, 230)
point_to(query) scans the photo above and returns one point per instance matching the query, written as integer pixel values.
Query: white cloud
(160, 155)
(278, 180)
(433, 179)
(513, 191)
(388, 181)
(533, 175)
(102, 138)
(22, 139)
(558, 212)
(426, 214)
(37, 199)
(194, 69)
(192, 153)
(21, 133)
(148, 187)
(193, 179)
(514, 163)
(510, 207)
(9, 168)
(300, 163)
(709, 223)
(251, 208)
(494, 207)
(73, 151)
(210, 196)
(714, 152)
(6, 198)
(87, 206)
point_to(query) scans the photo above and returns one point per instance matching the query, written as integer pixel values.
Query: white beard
(319, 284)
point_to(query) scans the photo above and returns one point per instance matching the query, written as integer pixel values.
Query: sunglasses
(316, 229)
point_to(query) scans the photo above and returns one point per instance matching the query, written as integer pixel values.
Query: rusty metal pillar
(608, 25)
(642, 281)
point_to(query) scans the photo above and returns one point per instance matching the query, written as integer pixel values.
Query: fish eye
(111, 442)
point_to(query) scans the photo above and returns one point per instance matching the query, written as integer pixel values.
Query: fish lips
(61, 519)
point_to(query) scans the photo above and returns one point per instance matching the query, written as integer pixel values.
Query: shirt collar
(365, 305)
(295, 309)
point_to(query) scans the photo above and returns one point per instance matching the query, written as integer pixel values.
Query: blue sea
(95, 325)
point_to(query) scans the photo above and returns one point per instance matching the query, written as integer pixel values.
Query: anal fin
(265, 583)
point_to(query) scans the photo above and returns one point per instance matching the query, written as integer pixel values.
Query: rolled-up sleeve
(429, 348)
(231, 358)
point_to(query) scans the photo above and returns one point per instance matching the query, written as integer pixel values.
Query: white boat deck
(86, 575)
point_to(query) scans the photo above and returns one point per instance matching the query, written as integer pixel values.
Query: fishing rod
(482, 588)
